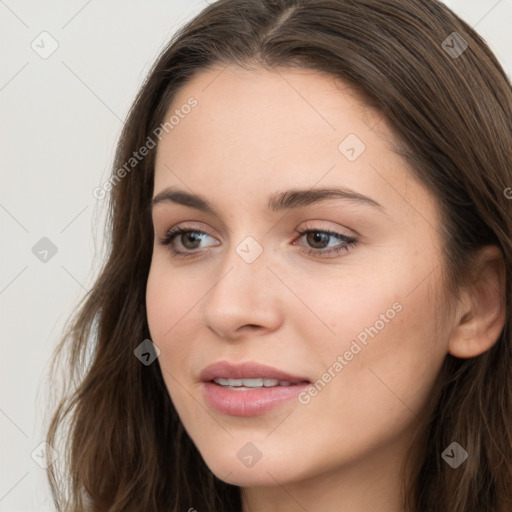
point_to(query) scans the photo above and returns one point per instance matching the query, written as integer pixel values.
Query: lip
(247, 370)
(248, 402)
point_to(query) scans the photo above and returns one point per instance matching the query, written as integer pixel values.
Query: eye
(320, 239)
(188, 238)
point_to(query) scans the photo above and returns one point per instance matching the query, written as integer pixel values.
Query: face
(338, 292)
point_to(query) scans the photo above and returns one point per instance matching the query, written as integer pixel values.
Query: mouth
(246, 384)
(249, 388)
(249, 373)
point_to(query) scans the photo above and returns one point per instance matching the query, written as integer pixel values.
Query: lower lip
(249, 402)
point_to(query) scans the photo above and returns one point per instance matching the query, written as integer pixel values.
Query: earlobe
(482, 309)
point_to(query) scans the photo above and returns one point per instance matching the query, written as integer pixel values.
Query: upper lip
(247, 370)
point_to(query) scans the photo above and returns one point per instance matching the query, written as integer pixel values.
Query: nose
(245, 298)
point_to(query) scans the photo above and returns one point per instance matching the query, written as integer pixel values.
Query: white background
(60, 119)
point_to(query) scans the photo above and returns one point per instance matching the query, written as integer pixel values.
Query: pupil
(317, 238)
(191, 237)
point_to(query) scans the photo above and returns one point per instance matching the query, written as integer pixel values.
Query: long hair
(449, 103)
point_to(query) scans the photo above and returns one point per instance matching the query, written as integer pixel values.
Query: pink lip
(248, 402)
(247, 370)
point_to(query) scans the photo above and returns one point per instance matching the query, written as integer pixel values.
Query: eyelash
(347, 242)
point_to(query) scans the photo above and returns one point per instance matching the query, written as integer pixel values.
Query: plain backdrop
(60, 117)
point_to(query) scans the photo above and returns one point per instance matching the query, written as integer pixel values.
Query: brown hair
(126, 448)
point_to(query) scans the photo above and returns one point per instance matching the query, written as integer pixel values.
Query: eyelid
(334, 228)
(346, 242)
(174, 231)
(194, 226)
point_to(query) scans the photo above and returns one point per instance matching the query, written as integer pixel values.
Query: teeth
(252, 383)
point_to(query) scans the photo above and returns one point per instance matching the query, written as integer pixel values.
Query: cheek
(381, 321)
(376, 393)
(172, 308)
(164, 308)
(170, 299)
(386, 354)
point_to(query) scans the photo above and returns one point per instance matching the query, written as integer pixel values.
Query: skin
(252, 134)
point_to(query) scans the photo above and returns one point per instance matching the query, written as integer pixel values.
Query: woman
(306, 298)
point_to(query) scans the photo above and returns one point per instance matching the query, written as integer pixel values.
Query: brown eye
(318, 242)
(190, 239)
(317, 239)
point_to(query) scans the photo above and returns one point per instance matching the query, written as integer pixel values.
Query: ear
(482, 309)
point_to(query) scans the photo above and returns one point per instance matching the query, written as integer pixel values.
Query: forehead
(254, 117)
(293, 98)
(254, 132)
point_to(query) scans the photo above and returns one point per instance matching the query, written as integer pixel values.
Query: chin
(235, 474)
(228, 467)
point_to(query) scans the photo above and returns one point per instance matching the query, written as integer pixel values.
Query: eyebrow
(277, 202)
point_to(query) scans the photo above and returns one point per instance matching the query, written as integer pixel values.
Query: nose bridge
(244, 275)
(243, 292)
